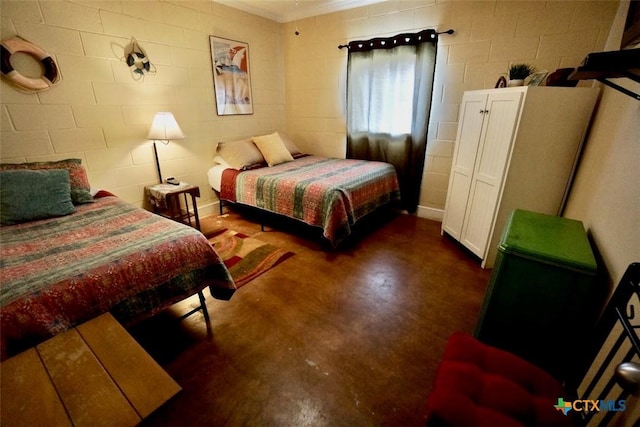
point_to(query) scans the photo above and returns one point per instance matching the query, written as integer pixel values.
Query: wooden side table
(165, 200)
(94, 373)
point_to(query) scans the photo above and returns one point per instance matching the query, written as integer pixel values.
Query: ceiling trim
(304, 9)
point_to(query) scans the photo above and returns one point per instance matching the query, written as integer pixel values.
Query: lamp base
(155, 152)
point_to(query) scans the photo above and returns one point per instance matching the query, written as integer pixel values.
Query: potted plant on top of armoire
(518, 73)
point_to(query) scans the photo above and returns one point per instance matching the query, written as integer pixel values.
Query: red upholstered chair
(479, 385)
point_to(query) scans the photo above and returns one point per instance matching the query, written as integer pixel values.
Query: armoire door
(501, 117)
(464, 158)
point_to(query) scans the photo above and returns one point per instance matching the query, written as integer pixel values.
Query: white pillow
(273, 149)
(291, 146)
(220, 161)
(239, 154)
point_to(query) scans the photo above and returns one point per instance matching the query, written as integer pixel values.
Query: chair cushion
(477, 385)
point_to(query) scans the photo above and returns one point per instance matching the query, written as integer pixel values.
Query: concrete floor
(347, 337)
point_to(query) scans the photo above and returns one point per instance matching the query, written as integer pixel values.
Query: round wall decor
(17, 44)
(138, 62)
(502, 82)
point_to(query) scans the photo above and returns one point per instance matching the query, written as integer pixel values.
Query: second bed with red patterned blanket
(325, 192)
(107, 256)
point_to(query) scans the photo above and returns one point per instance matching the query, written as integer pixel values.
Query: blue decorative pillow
(80, 188)
(27, 195)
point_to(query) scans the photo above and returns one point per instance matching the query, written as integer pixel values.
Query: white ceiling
(290, 10)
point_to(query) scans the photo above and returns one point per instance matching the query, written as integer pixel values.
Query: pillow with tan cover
(239, 154)
(273, 149)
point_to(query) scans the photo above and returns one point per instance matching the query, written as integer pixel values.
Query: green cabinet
(542, 299)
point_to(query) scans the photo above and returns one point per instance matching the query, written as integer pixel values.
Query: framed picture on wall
(231, 76)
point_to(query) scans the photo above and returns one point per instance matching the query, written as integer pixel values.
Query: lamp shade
(164, 128)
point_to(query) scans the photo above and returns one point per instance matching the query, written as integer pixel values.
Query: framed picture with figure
(231, 76)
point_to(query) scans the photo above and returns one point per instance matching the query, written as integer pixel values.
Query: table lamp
(163, 128)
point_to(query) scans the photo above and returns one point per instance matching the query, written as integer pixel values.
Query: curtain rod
(449, 31)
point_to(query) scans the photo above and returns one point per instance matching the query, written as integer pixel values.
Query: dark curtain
(389, 88)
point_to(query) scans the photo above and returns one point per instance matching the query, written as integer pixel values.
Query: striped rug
(246, 257)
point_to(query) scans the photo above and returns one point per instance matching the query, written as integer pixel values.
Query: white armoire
(516, 148)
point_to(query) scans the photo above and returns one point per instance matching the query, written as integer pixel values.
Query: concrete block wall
(101, 114)
(489, 36)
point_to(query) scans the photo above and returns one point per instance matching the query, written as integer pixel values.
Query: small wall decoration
(138, 61)
(231, 77)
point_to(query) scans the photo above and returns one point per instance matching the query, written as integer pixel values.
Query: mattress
(215, 176)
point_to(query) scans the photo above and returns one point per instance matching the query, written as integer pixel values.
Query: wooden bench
(93, 374)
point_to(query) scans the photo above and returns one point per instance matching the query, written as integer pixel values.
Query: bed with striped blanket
(322, 192)
(107, 256)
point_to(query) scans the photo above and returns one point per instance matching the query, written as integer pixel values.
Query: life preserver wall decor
(138, 62)
(17, 44)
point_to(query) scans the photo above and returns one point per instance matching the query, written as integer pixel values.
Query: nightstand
(165, 200)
